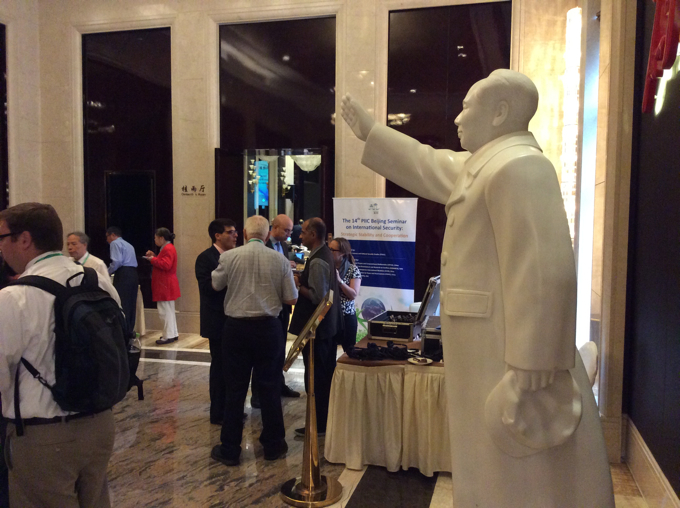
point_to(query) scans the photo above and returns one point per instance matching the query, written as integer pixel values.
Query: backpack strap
(56, 289)
(89, 281)
(18, 422)
(37, 281)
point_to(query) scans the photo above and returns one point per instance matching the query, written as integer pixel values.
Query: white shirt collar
(39, 257)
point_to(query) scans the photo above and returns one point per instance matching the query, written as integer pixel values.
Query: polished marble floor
(162, 450)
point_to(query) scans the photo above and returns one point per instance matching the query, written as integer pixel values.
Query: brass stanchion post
(312, 489)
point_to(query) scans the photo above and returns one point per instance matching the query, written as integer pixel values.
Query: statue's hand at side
(533, 379)
(356, 117)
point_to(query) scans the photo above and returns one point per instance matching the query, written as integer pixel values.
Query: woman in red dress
(164, 283)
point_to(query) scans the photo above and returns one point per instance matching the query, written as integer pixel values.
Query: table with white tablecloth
(393, 416)
(140, 320)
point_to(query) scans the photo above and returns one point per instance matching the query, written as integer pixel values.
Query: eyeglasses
(231, 232)
(6, 235)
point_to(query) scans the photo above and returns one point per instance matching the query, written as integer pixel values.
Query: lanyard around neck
(54, 254)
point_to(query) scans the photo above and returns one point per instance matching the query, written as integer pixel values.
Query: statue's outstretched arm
(356, 117)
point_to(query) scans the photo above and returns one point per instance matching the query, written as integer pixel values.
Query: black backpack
(90, 350)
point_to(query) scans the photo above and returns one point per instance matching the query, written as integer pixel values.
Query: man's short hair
(257, 227)
(40, 220)
(218, 226)
(84, 239)
(114, 230)
(516, 89)
(319, 227)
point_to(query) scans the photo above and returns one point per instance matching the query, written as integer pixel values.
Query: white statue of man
(525, 429)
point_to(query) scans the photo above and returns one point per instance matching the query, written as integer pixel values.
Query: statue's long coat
(508, 296)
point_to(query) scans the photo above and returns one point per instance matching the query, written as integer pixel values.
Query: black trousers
(216, 381)
(126, 282)
(256, 345)
(347, 338)
(284, 318)
(325, 358)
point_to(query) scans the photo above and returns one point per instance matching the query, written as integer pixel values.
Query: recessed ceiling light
(413, 90)
(285, 58)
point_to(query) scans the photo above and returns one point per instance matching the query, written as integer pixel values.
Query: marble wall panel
(23, 101)
(541, 47)
(598, 239)
(189, 29)
(190, 106)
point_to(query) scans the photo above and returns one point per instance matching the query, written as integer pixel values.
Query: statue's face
(475, 122)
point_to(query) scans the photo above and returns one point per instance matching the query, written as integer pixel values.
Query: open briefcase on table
(402, 325)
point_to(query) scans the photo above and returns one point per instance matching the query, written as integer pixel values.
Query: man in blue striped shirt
(126, 281)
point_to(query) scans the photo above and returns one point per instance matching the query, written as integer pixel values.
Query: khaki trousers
(61, 465)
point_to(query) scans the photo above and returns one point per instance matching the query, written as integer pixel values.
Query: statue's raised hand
(356, 117)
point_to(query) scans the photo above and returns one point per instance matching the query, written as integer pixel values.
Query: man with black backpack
(63, 364)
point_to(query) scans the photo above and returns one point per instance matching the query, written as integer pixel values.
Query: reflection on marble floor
(185, 341)
(162, 450)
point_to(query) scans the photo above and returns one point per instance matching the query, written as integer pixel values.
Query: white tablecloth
(140, 321)
(392, 416)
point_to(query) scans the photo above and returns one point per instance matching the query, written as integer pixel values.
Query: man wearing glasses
(62, 457)
(223, 235)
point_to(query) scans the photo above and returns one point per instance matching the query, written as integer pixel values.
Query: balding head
(257, 227)
(313, 233)
(282, 226)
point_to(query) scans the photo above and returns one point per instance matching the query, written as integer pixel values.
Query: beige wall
(23, 98)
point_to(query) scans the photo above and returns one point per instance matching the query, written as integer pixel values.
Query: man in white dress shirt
(76, 244)
(61, 459)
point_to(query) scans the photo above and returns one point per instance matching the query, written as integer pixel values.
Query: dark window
(277, 96)
(4, 152)
(435, 55)
(128, 139)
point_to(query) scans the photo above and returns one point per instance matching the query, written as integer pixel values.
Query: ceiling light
(285, 58)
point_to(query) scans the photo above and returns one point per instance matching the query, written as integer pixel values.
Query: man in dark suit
(281, 228)
(223, 235)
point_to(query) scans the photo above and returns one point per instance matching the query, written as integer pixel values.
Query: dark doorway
(4, 149)
(277, 95)
(128, 140)
(122, 189)
(435, 55)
